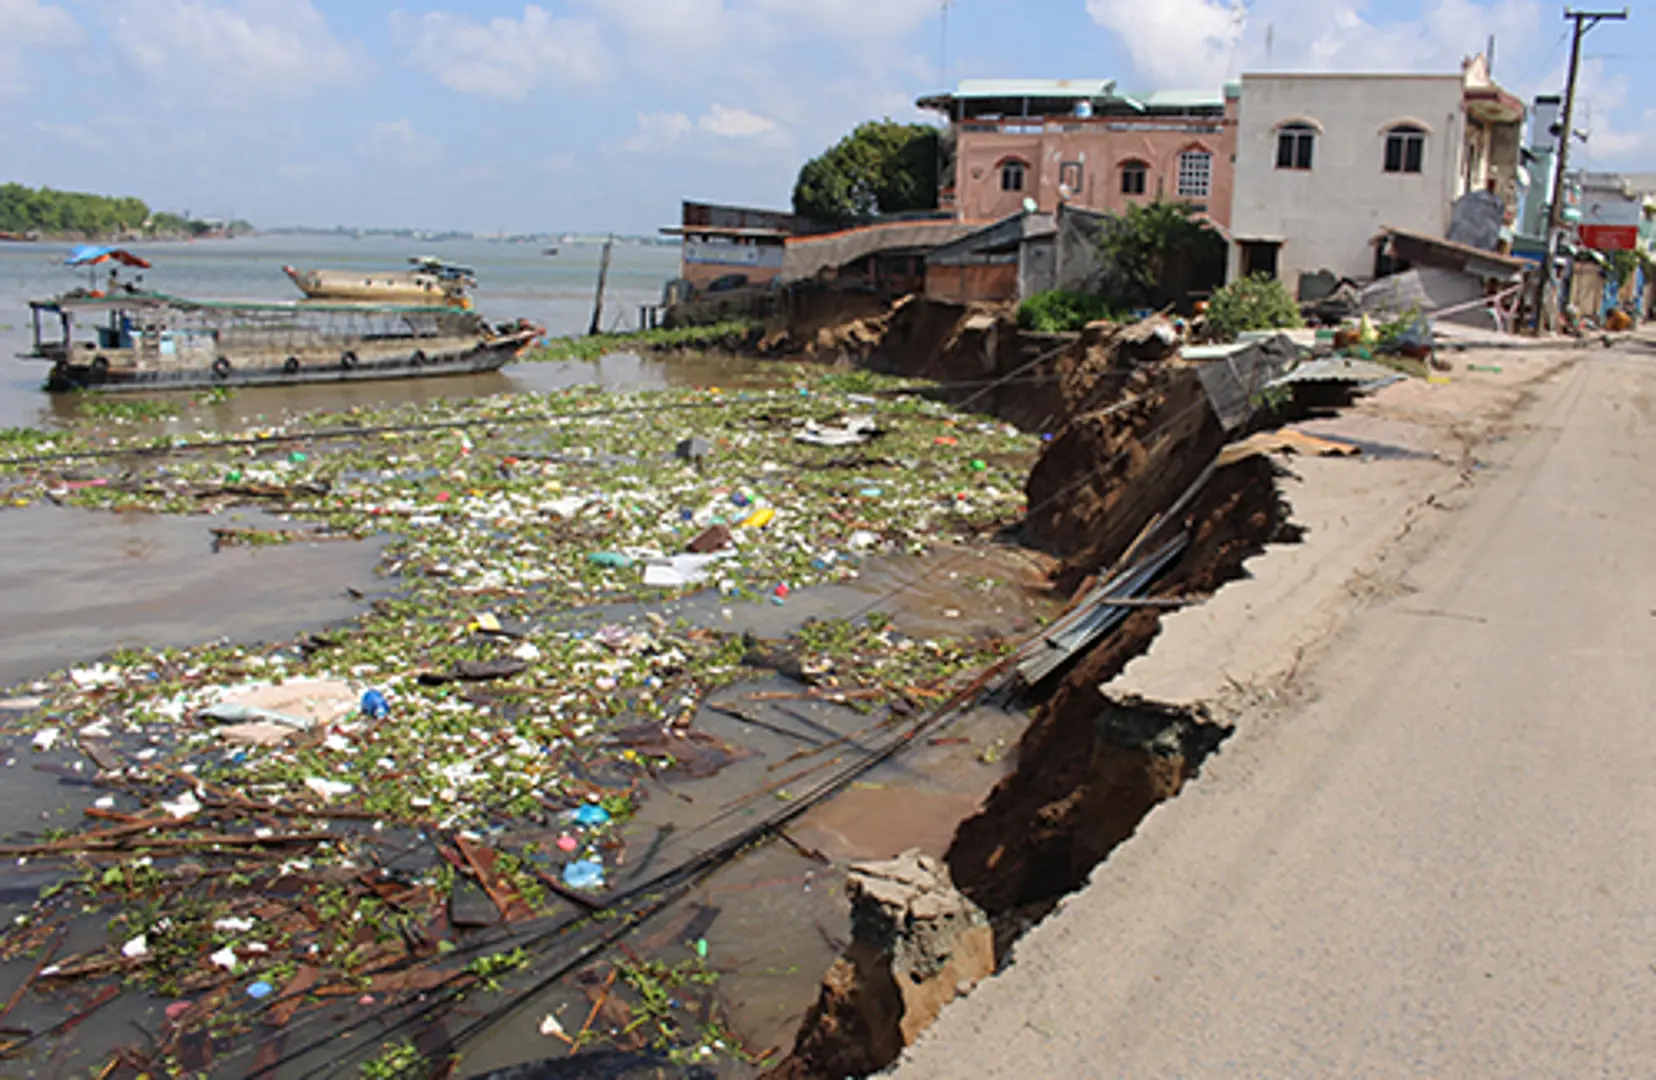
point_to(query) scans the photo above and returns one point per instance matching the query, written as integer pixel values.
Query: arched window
(1195, 174)
(1134, 175)
(1405, 149)
(1012, 174)
(1295, 145)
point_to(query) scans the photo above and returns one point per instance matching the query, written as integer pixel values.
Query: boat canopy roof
(133, 300)
(93, 254)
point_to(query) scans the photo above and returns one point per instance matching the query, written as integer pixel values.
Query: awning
(94, 254)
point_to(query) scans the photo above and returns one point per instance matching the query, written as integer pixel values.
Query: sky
(598, 115)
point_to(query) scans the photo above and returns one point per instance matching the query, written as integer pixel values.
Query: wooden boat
(430, 282)
(135, 340)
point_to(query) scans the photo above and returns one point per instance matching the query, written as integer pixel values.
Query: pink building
(1079, 141)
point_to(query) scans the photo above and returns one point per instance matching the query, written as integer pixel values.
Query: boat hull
(65, 378)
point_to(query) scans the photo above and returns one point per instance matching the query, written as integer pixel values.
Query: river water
(514, 281)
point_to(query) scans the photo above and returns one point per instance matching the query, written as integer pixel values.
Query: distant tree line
(74, 213)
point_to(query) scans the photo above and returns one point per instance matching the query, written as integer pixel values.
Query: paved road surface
(1443, 866)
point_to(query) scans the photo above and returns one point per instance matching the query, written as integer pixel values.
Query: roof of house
(808, 256)
(1097, 90)
(1036, 88)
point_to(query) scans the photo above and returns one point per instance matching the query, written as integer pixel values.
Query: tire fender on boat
(100, 368)
(417, 358)
(221, 367)
(290, 366)
(348, 361)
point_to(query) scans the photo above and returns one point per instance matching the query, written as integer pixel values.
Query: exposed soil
(1090, 768)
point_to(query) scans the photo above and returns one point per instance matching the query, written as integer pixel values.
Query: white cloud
(504, 57)
(720, 124)
(27, 25)
(398, 142)
(731, 123)
(216, 53)
(1203, 42)
(1599, 96)
(1175, 42)
(32, 23)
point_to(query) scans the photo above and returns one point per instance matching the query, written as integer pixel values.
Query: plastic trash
(260, 989)
(871, 492)
(550, 1027)
(584, 874)
(782, 590)
(136, 948)
(374, 705)
(738, 499)
(591, 815)
(978, 465)
(701, 948)
(177, 1009)
(759, 518)
(567, 844)
(613, 560)
(693, 449)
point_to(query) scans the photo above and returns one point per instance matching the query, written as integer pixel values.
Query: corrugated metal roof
(1093, 616)
(1341, 369)
(1182, 99)
(1036, 88)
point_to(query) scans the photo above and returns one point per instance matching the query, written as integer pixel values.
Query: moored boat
(133, 340)
(430, 282)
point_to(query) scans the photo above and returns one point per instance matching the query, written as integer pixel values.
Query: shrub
(1260, 302)
(1059, 310)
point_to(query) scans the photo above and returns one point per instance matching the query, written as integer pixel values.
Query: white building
(1325, 162)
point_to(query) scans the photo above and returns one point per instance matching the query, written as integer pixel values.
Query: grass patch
(685, 337)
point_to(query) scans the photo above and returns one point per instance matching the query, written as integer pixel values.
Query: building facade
(1036, 144)
(1325, 162)
(724, 243)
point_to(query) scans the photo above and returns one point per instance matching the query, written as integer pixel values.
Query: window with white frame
(1195, 174)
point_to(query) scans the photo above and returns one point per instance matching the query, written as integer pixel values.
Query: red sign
(1610, 237)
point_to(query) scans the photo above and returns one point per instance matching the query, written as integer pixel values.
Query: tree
(882, 167)
(1260, 302)
(1157, 253)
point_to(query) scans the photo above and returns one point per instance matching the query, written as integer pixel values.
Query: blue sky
(602, 114)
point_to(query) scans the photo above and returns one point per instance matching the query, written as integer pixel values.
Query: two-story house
(1326, 162)
(1019, 143)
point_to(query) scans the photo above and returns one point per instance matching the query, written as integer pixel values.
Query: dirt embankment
(1090, 768)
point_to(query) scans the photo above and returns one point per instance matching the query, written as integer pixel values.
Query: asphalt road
(1443, 865)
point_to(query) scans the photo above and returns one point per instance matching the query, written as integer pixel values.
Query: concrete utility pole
(1584, 21)
(603, 278)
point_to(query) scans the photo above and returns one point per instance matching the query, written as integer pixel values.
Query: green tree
(25, 209)
(1157, 253)
(882, 167)
(1260, 302)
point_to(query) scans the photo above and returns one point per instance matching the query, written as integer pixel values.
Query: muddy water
(78, 584)
(774, 919)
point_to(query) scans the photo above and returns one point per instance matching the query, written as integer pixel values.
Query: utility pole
(1584, 21)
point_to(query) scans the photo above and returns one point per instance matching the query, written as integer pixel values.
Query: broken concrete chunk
(916, 943)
